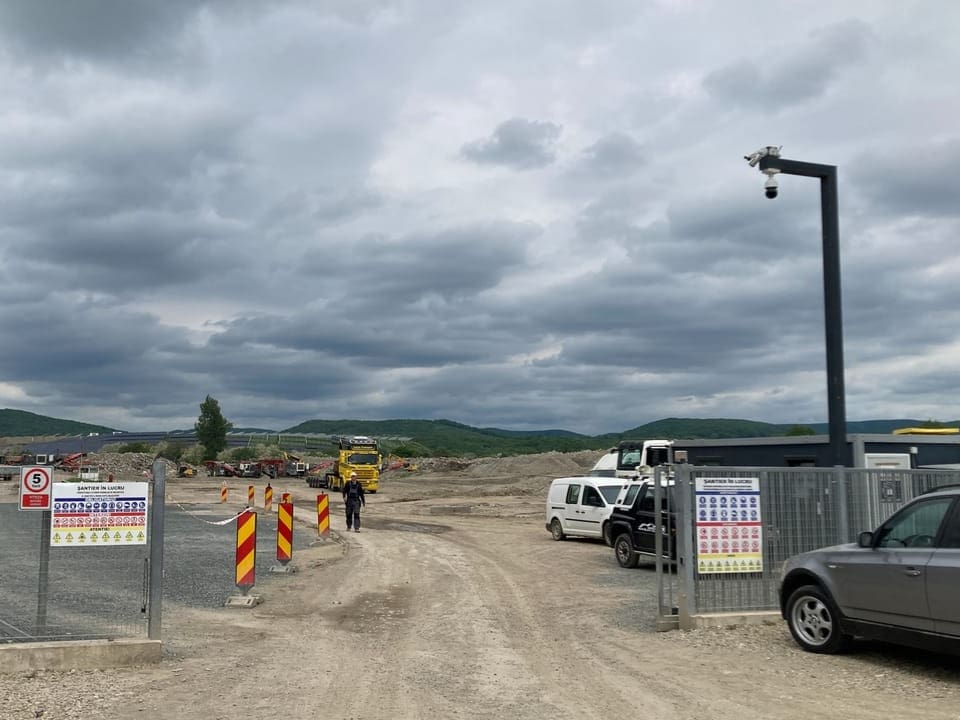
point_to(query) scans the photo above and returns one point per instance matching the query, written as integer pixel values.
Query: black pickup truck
(632, 525)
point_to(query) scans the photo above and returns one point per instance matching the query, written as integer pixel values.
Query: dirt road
(455, 603)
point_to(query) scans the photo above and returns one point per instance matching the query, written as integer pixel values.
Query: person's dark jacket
(353, 492)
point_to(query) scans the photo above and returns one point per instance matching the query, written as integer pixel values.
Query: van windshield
(609, 493)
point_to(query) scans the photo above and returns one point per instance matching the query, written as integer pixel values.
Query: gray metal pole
(156, 548)
(44, 578)
(833, 315)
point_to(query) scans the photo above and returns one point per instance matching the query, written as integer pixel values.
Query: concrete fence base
(78, 654)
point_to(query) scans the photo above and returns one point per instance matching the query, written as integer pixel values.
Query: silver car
(900, 584)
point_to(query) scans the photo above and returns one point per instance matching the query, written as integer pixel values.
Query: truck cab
(636, 458)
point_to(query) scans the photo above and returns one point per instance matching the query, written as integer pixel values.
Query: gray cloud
(517, 143)
(914, 179)
(803, 74)
(269, 203)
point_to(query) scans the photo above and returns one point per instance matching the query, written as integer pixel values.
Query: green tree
(800, 430)
(212, 428)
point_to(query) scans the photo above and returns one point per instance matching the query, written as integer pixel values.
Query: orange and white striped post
(250, 496)
(284, 532)
(223, 492)
(268, 497)
(323, 515)
(246, 550)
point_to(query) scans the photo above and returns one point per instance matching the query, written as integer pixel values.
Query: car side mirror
(865, 539)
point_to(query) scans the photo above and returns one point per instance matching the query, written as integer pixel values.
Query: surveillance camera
(770, 187)
(755, 157)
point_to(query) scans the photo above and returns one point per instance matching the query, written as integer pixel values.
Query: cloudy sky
(524, 214)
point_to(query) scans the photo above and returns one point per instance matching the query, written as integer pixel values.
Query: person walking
(354, 499)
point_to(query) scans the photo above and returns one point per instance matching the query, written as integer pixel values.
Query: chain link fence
(799, 509)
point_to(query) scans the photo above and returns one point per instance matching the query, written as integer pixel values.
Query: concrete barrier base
(735, 619)
(78, 654)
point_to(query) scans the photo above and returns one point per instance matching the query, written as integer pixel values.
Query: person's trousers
(353, 514)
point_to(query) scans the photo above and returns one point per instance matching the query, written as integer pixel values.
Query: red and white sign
(35, 488)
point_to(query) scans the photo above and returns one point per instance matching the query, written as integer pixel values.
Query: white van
(581, 506)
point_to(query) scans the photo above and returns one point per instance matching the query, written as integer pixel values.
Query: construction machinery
(356, 454)
(185, 471)
(294, 466)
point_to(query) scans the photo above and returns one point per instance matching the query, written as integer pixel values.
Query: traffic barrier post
(268, 497)
(250, 496)
(246, 560)
(323, 515)
(223, 492)
(284, 538)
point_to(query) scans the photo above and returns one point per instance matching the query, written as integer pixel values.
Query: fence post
(840, 487)
(686, 546)
(156, 548)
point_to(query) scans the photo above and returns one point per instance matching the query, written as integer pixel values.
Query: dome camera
(771, 187)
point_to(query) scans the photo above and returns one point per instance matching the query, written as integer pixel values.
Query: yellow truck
(359, 454)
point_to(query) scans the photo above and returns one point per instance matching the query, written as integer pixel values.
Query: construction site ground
(454, 602)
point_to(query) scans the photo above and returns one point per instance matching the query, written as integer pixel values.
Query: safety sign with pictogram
(35, 487)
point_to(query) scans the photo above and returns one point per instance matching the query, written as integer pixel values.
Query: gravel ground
(454, 602)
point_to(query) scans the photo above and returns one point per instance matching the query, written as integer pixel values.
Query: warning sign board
(729, 526)
(87, 514)
(35, 487)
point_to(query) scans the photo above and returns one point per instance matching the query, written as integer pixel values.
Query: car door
(943, 577)
(571, 509)
(643, 538)
(886, 583)
(591, 512)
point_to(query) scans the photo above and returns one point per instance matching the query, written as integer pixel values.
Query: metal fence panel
(89, 592)
(801, 509)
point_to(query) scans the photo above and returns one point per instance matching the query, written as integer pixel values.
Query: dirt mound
(550, 464)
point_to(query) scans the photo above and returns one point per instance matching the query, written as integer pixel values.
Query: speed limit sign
(35, 488)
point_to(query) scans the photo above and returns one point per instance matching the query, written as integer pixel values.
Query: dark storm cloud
(97, 29)
(779, 81)
(918, 179)
(518, 143)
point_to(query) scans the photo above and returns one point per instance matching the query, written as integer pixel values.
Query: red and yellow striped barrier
(246, 550)
(268, 497)
(250, 496)
(284, 532)
(223, 492)
(323, 515)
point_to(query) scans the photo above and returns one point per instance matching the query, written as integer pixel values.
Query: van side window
(592, 497)
(573, 493)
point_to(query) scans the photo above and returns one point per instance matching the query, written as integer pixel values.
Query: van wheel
(556, 530)
(623, 549)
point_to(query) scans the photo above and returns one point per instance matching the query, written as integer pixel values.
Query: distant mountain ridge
(20, 423)
(447, 437)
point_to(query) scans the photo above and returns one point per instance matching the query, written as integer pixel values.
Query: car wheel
(623, 549)
(556, 530)
(814, 621)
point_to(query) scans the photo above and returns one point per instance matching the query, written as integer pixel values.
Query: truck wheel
(623, 548)
(814, 621)
(556, 530)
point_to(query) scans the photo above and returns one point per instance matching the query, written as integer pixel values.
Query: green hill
(19, 423)
(445, 437)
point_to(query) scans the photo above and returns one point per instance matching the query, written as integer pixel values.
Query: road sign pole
(43, 581)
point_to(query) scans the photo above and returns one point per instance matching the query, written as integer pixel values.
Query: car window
(951, 530)
(592, 497)
(609, 493)
(915, 526)
(646, 502)
(631, 494)
(573, 493)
